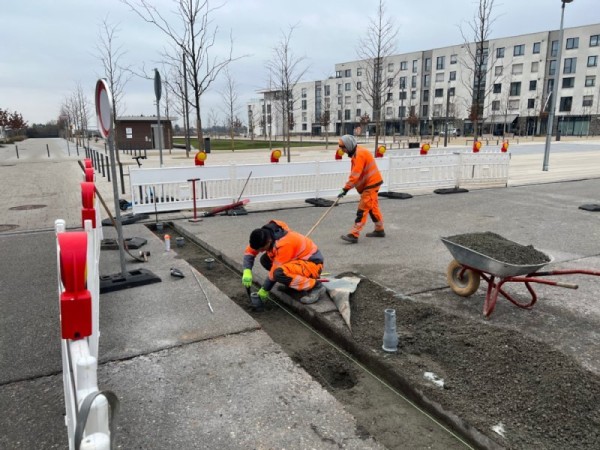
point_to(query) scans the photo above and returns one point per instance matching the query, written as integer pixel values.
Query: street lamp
(554, 88)
(447, 110)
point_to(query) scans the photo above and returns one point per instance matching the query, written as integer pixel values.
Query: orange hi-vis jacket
(364, 173)
(287, 246)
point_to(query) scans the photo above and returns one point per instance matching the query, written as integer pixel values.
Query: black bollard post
(107, 168)
(17, 150)
(102, 166)
(122, 179)
(48, 150)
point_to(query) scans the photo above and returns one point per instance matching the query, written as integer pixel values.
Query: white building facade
(425, 90)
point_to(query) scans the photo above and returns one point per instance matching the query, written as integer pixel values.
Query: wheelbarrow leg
(491, 296)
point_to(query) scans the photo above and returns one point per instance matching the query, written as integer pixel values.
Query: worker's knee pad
(281, 277)
(359, 216)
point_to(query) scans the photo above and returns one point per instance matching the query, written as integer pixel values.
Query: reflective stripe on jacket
(364, 173)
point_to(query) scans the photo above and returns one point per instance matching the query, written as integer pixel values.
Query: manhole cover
(7, 227)
(26, 207)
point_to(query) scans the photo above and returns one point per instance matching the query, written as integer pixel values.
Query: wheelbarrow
(465, 272)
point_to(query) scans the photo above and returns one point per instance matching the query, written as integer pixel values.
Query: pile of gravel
(500, 248)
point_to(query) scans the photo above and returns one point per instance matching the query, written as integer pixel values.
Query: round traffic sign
(103, 107)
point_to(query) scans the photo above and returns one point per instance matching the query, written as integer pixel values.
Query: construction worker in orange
(366, 179)
(291, 258)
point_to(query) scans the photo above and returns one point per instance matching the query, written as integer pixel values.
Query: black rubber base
(395, 195)
(322, 202)
(590, 207)
(133, 278)
(132, 243)
(126, 219)
(240, 211)
(450, 191)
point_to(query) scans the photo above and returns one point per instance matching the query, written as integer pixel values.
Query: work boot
(350, 238)
(376, 233)
(314, 295)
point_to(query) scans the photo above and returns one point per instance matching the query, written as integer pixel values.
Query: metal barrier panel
(423, 171)
(484, 169)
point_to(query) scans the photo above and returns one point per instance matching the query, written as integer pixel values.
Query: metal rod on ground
(244, 188)
(323, 216)
(195, 219)
(203, 291)
(155, 208)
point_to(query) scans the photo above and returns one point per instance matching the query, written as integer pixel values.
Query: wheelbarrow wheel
(464, 286)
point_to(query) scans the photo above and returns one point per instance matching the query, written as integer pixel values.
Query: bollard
(195, 218)
(48, 150)
(390, 337)
(107, 166)
(17, 150)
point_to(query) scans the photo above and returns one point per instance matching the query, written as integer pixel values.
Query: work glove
(343, 192)
(247, 278)
(263, 294)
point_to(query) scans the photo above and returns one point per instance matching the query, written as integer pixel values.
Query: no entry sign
(103, 107)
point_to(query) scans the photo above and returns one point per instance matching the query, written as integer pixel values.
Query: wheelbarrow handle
(567, 285)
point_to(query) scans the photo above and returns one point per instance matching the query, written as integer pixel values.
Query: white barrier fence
(172, 189)
(89, 424)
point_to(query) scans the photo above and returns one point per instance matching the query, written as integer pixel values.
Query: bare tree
(286, 71)
(325, 119)
(195, 36)
(476, 41)
(117, 75)
(374, 49)
(230, 98)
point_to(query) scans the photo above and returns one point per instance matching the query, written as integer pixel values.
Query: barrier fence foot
(133, 278)
(454, 190)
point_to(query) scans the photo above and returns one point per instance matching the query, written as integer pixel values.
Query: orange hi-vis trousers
(368, 205)
(299, 275)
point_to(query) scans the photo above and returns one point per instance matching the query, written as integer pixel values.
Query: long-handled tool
(203, 291)
(323, 216)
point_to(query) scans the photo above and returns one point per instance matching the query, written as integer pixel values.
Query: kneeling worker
(291, 259)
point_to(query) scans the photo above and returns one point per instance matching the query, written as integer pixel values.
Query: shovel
(323, 216)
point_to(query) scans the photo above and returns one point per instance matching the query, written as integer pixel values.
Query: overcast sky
(48, 46)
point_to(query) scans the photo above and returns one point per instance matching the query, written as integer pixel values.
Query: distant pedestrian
(291, 258)
(366, 178)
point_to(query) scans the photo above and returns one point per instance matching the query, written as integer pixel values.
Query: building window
(451, 92)
(303, 92)
(588, 100)
(359, 99)
(439, 62)
(348, 73)
(413, 81)
(439, 77)
(339, 88)
(531, 103)
(427, 64)
(304, 117)
(358, 85)
(439, 93)
(347, 100)
(532, 85)
(327, 91)
(390, 96)
(554, 49)
(453, 59)
(515, 88)
(413, 95)
(452, 76)
(536, 47)
(519, 50)
(347, 113)
(339, 114)
(415, 65)
(437, 110)
(496, 105)
(500, 52)
(572, 43)
(592, 61)
(552, 67)
(565, 104)
(535, 67)
(426, 80)
(338, 74)
(595, 40)
(339, 100)
(358, 113)
(590, 81)
(570, 65)
(497, 88)
(402, 83)
(402, 95)
(304, 127)
(498, 70)
(389, 111)
(426, 95)
(517, 69)
(402, 111)
(390, 82)
(568, 82)
(359, 72)
(403, 65)
(425, 110)
(513, 104)
(304, 104)
(348, 87)
(390, 67)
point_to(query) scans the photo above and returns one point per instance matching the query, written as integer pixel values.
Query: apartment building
(424, 90)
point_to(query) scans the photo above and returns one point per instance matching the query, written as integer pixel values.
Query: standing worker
(366, 178)
(291, 258)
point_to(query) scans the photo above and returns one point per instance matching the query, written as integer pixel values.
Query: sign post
(158, 92)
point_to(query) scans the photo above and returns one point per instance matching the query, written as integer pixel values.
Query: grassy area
(247, 144)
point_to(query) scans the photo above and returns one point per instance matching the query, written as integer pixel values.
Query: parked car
(451, 132)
